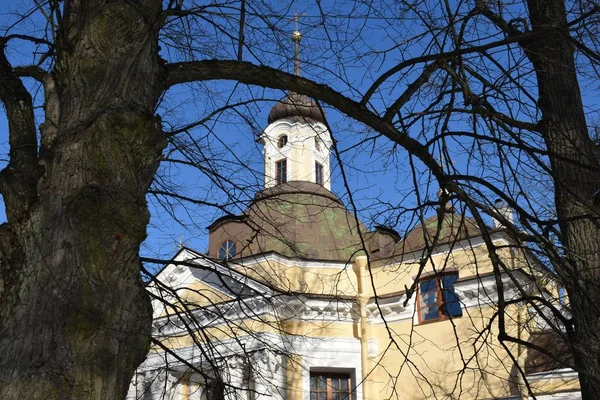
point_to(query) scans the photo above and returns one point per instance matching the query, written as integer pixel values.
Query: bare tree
(493, 86)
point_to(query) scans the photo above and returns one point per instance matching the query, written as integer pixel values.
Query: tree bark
(74, 316)
(576, 174)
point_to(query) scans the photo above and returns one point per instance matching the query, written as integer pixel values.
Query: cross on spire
(296, 37)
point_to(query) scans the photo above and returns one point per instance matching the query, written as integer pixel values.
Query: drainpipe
(360, 269)
(521, 321)
(521, 354)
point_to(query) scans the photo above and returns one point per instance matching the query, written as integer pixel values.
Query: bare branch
(412, 89)
(441, 56)
(264, 76)
(18, 180)
(32, 71)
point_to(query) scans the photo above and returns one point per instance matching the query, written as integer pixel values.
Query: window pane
(348, 388)
(227, 250)
(428, 299)
(322, 383)
(329, 386)
(281, 171)
(451, 302)
(335, 383)
(318, 173)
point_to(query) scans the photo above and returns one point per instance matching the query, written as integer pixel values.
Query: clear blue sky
(346, 51)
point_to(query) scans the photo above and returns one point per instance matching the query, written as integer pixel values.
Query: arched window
(227, 250)
(282, 141)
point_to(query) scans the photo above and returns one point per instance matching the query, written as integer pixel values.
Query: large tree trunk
(74, 317)
(576, 174)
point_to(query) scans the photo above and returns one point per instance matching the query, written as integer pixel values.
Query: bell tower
(297, 143)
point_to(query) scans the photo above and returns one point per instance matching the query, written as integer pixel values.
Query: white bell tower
(297, 143)
(296, 151)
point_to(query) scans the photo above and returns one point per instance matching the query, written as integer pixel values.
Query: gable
(196, 279)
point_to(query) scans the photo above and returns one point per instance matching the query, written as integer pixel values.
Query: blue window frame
(438, 299)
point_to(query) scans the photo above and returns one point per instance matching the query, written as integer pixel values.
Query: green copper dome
(295, 219)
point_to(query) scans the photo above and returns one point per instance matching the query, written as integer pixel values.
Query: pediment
(200, 280)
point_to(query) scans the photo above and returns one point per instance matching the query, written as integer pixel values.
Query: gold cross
(296, 37)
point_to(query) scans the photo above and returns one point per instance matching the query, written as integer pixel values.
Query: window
(282, 141)
(281, 171)
(319, 173)
(437, 298)
(317, 144)
(562, 295)
(227, 250)
(215, 390)
(330, 386)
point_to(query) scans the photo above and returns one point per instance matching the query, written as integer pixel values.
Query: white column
(197, 389)
(266, 371)
(236, 378)
(172, 386)
(138, 387)
(163, 385)
(261, 376)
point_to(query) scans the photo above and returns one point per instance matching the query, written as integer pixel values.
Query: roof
(214, 273)
(453, 227)
(295, 219)
(301, 219)
(298, 108)
(306, 220)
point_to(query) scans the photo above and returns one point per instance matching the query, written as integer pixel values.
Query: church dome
(298, 108)
(295, 219)
(453, 227)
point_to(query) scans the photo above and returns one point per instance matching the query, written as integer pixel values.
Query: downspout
(521, 354)
(360, 269)
(521, 319)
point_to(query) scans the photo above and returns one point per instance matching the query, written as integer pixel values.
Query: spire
(296, 37)
(294, 106)
(297, 142)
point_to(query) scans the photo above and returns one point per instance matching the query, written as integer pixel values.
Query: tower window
(319, 173)
(227, 250)
(330, 386)
(282, 141)
(437, 299)
(281, 171)
(317, 144)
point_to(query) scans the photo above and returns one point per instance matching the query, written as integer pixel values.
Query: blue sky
(348, 49)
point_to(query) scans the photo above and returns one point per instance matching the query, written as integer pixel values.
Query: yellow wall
(386, 278)
(462, 356)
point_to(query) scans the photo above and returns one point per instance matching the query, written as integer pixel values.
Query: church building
(296, 299)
